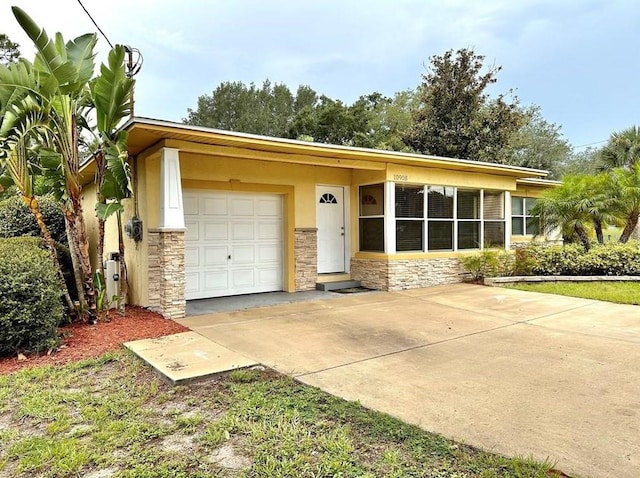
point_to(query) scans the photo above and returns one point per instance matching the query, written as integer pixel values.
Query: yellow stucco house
(225, 213)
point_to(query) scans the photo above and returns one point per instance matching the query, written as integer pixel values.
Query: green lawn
(112, 417)
(620, 292)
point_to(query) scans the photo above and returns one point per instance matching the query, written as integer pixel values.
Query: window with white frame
(371, 220)
(523, 223)
(461, 218)
(493, 218)
(409, 218)
(432, 218)
(440, 208)
(468, 215)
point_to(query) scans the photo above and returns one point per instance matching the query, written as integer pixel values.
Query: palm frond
(111, 91)
(80, 53)
(49, 58)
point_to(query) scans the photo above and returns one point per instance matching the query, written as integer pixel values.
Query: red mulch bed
(82, 341)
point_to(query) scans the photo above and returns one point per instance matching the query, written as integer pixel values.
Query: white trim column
(389, 217)
(347, 228)
(166, 274)
(171, 208)
(507, 220)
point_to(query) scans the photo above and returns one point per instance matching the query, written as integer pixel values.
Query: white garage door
(233, 243)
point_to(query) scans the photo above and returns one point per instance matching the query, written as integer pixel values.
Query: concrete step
(335, 285)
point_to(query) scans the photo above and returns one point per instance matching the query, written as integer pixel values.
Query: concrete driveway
(518, 373)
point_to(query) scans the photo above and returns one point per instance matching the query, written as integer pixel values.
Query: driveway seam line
(498, 316)
(416, 347)
(408, 349)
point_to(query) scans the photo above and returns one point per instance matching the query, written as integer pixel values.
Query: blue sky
(578, 60)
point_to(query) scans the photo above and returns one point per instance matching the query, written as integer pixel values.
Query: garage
(233, 243)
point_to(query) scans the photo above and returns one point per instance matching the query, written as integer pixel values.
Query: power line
(94, 22)
(591, 144)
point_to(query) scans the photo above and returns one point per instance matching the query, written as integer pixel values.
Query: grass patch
(618, 292)
(113, 414)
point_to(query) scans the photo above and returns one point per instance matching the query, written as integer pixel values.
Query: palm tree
(566, 208)
(597, 199)
(622, 150)
(16, 169)
(55, 93)
(626, 194)
(111, 93)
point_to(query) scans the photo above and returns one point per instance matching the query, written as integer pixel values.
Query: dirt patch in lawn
(82, 341)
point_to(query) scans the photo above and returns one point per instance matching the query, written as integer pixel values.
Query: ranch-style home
(221, 213)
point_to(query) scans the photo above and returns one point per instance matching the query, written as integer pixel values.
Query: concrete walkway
(187, 357)
(518, 373)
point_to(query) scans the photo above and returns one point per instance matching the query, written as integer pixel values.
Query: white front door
(331, 228)
(233, 244)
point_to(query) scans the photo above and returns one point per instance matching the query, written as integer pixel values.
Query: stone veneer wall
(407, 273)
(372, 273)
(414, 273)
(166, 280)
(306, 258)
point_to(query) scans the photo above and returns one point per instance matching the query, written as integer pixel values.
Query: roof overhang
(147, 134)
(547, 183)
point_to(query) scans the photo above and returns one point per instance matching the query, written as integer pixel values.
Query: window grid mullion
(425, 229)
(481, 219)
(455, 219)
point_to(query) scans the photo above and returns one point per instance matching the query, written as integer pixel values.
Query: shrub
(481, 265)
(16, 219)
(30, 308)
(609, 259)
(554, 260)
(523, 263)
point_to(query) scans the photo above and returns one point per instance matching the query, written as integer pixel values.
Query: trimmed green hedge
(30, 306)
(16, 219)
(612, 259)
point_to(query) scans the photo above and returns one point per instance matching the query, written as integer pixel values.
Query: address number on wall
(400, 177)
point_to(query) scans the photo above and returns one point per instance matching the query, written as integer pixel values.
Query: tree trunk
(34, 207)
(584, 237)
(100, 167)
(123, 283)
(597, 226)
(81, 244)
(629, 226)
(76, 268)
(100, 246)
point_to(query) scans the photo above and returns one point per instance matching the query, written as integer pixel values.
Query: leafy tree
(455, 117)
(389, 120)
(234, 106)
(378, 121)
(331, 121)
(44, 113)
(9, 51)
(586, 161)
(622, 150)
(539, 144)
(372, 121)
